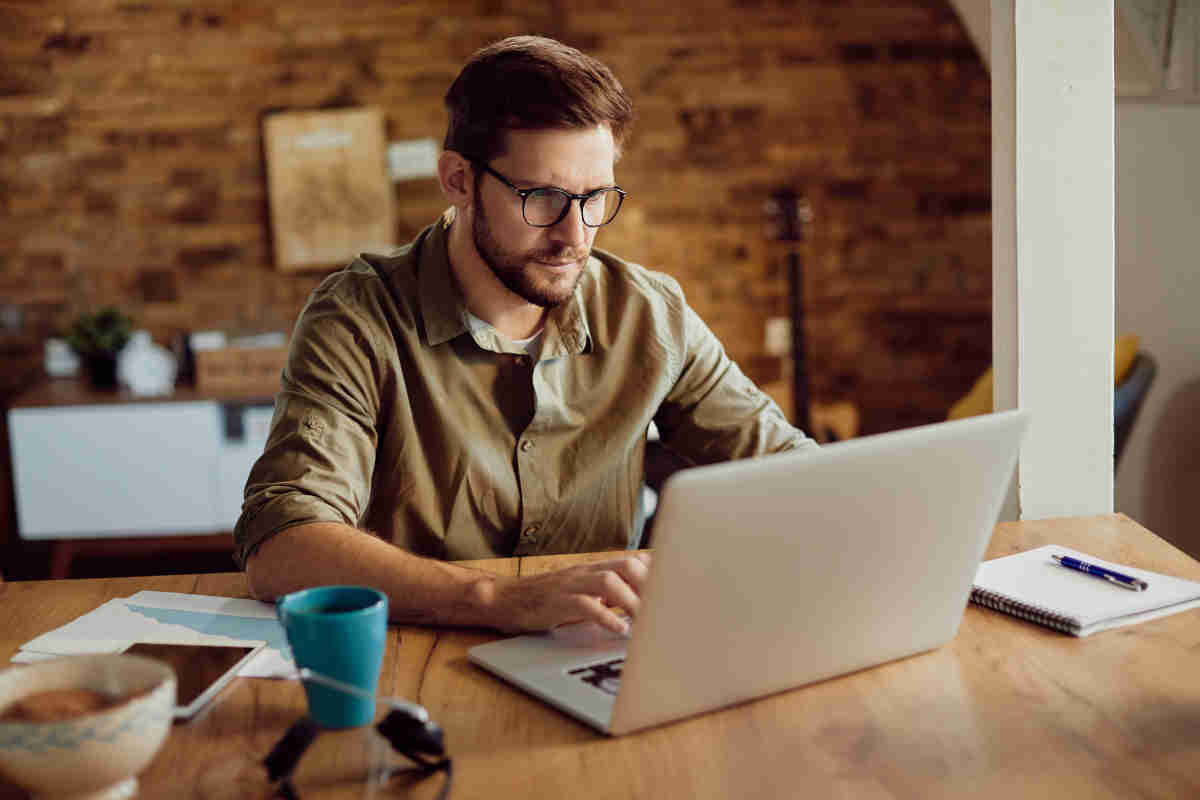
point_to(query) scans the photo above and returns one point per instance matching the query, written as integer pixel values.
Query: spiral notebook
(1031, 586)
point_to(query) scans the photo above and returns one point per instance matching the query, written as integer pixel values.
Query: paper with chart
(170, 617)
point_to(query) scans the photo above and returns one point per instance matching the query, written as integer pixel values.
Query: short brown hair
(531, 83)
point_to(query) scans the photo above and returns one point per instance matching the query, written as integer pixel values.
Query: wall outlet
(413, 158)
(778, 338)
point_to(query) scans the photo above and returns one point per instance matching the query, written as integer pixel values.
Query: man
(486, 390)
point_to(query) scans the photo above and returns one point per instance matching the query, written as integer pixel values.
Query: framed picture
(328, 186)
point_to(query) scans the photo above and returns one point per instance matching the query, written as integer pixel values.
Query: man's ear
(456, 176)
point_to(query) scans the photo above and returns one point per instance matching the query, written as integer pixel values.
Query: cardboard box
(240, 369)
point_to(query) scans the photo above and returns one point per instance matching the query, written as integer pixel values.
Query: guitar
(787, 215)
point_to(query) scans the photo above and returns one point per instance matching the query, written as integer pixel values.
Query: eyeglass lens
(545, 207)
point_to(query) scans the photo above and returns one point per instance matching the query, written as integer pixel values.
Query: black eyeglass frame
(571, 197)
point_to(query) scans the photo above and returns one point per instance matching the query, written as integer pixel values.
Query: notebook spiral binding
(1041, 616)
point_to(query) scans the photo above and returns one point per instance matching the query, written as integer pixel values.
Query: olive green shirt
(397, 417)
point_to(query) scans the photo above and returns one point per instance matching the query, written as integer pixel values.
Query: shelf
(76, 392)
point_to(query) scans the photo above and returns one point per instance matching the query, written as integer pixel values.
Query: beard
(532, 282)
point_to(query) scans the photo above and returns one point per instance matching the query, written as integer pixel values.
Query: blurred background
(812, 172)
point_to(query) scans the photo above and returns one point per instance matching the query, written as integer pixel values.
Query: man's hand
(423, 591)
(586, 593)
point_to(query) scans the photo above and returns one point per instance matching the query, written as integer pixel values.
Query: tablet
(201, 670)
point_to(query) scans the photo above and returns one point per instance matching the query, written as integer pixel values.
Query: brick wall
(131, 166)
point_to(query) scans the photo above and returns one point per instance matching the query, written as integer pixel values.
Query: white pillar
(1053, 204)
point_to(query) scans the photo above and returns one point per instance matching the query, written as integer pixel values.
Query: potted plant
(97, 337)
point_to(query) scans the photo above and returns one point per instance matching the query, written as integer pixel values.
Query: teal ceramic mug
(340, 632)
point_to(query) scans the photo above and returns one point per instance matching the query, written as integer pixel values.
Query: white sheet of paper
(114, 625)
(234, 606)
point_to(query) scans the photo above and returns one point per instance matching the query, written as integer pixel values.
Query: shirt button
(526, 446)
(530, 533)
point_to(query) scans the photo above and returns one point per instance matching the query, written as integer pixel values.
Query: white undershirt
(531, 345)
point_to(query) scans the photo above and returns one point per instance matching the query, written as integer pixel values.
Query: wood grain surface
(1006, 709)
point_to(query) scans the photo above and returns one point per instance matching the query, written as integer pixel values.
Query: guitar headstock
(787, 213)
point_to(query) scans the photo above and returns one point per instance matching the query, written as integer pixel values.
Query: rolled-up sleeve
(714, 412)
(320, 454)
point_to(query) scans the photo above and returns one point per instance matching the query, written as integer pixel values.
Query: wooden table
(1006, 710)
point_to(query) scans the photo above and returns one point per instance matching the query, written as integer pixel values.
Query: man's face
(541, 265)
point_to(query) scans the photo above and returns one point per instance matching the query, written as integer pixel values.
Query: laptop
(780, 571)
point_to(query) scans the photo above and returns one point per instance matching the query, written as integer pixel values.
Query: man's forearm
(419, 590)
(428, 592)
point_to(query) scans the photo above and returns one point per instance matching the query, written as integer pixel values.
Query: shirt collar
(444, 310)
(567, 331)
(440, 301)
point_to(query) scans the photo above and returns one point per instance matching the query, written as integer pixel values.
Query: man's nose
(570, 230)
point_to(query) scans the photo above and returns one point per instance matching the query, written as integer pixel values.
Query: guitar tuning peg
(804, 211)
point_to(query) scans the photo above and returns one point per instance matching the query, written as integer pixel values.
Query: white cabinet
(240, 448)
(132, 469)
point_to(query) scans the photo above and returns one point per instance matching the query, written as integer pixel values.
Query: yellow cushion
(979, 399)
(1124, 351)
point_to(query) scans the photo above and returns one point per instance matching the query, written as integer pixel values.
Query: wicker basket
(240, 369)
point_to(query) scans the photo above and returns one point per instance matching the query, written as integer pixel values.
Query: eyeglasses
(545, 206)
(407, 727)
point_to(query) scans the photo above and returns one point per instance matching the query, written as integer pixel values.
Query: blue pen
(1124, 581)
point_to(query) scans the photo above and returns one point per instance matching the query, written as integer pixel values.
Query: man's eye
(544, 203)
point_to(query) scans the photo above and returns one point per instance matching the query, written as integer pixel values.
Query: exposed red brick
(875, 111)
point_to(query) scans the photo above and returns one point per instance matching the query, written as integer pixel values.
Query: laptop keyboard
(605, 676)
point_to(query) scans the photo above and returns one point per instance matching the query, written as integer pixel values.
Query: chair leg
(60, 559)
